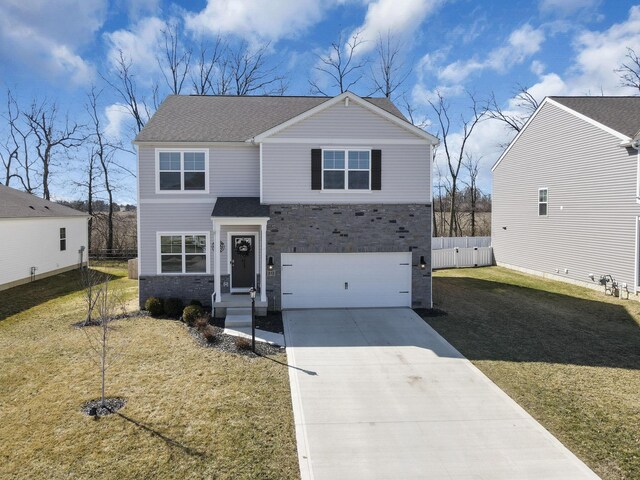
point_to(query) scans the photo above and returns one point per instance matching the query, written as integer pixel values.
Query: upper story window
(183, 253)
(543, 202)
(346, 169)
(63, 239)
(182, 170)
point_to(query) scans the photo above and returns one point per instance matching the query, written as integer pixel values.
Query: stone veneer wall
(184, 287)
(351, 229)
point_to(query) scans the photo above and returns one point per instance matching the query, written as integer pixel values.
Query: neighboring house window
(63, 239)
(182, 170)
(543, 202)
(346, 169)
(183, 253)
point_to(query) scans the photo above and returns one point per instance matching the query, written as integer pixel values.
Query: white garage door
(340, 280)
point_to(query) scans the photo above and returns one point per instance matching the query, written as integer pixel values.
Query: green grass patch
(191, 412)
(569, 355)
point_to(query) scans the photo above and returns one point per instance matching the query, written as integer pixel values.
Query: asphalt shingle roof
(239, 207)
(17, 204)
(201, 118)
(622, 114)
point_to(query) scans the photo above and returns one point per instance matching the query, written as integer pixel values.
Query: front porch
(239, 248)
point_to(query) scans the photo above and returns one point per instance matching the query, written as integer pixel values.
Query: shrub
(201, 322)
(209, 334)
(191, 313)
(173, 307)
(154, 306)
(196, 302)
(242, 343)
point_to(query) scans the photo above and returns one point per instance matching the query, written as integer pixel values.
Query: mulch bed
(430, 312)
(96, 323)
(229, 343)
(94, 408)
(272, 322)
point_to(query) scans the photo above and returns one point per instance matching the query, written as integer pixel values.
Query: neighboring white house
(566, 192)
(38, 238)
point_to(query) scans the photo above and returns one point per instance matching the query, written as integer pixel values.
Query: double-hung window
(63, 239)
(543, 202)
(344, 169)
(183, 253)
(182, 170)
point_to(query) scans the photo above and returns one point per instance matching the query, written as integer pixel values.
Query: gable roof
(619, 116)
(219, 118)
(17, 204)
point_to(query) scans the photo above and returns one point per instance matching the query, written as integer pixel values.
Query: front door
(243, 262)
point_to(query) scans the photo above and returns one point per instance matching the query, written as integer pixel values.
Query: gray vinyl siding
(339, 121)
(286, 170)
(592, 210)
(165, 217)
(233, 171)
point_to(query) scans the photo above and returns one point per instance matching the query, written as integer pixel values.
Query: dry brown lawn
(191, 412)
(569, 355)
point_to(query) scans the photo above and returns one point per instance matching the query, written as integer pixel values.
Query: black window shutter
(316, 169)
(376, 169)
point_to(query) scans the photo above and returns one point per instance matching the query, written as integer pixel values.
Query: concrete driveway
(378, 394)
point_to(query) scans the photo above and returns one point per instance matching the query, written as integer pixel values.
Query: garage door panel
(342, 280)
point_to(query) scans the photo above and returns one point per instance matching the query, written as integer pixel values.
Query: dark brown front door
(243, 261)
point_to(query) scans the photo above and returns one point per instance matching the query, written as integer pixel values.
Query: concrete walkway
(378, 394)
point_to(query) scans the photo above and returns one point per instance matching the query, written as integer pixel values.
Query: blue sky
(57, 50)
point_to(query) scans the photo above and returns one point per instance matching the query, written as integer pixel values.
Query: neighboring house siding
(591, 177)
(35, 242)
(339, 122)
(286, 167)
(233, 171)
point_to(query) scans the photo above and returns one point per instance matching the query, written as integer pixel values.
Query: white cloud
(257, 20)
(139, 44)
(48, 35)
(388, 16)
(521, 44)
(138, 8)
(117, 117)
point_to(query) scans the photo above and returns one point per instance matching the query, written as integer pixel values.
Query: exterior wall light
(423, 263)
(270, 263)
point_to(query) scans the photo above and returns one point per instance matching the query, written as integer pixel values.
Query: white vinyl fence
(438, 243)
(461, 257)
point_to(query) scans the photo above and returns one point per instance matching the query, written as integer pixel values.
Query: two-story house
(314, 201)
(566, 192)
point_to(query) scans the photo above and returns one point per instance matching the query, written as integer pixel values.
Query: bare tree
(104, 351)
(250, 73)
(51, 138)
(388, 73)
(525, 104)
(175, 59)
(629, 70)
(340, 65)
(10, 153)
(454, 154)
(209, 68)
(412, 113)
(472, 167)
(126, 88)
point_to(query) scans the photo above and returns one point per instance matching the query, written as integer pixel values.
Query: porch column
(216, 261)
(263, 261)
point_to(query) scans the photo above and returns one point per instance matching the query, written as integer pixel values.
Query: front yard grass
(569, 355)
(191, 412)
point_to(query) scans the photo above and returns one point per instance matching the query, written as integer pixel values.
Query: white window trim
(182, 234)
(346, 169)
(182, 191)
(546, 203)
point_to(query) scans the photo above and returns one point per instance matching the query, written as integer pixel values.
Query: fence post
(475, 256)
(455, 256)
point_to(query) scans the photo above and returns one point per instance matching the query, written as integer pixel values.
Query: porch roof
(240, 207)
